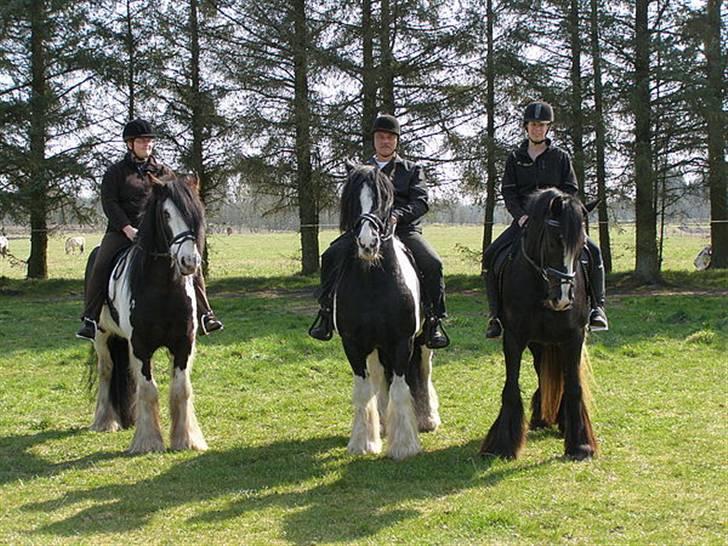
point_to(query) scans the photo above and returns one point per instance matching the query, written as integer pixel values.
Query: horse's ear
(556, 206)
(193, 181)
(591, 205)
(155, 181)
(350, 165)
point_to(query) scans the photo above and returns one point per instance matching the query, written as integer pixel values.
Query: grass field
(275, 407)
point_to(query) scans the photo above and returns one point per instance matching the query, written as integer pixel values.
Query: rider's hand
(392, 220)
(522, 220)
(130, 232)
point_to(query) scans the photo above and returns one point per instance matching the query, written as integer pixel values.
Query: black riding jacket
(410, 192)
(125, 188)
(523, 176)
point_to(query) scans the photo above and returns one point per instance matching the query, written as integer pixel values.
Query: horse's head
(173, 223)
(553, 243)
(366, 202)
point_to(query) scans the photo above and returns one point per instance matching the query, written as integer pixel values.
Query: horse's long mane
(552, 204)
(382, 192)
(152, 237)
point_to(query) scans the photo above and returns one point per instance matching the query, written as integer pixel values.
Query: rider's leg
(206, 317)
(323, 326)
(597, 316)
(95, 290)
(433, 287)
(502, 242)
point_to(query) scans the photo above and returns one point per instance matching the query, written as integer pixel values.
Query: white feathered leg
(365, 430)
(379, 383)
(185, 432)
(401, 421)
(426, 401)
(148, 433)
(105, 417)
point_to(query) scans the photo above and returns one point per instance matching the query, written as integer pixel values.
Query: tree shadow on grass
(18, 462)
(325, 495)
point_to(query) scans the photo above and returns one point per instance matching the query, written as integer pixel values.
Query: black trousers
(95, 290)
(426, 258)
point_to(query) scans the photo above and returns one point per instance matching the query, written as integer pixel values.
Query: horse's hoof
(399, 453)
(581, 453)
(195, 445)
(364, 449)
(537, 424)
(105, 426)
(429, 424)
(147, 445)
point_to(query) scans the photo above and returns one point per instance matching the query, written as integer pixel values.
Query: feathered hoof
(196, 444)
(106, 425)
(399, 453)
(428, 424)
(582, 452)
(364, 449)
(537, 424)
(147, 445)
(502, 452)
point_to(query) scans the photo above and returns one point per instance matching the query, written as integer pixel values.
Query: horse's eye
(167, 215)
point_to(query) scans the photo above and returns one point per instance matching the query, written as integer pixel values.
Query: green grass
(275, 408)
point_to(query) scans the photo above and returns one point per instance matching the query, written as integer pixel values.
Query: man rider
(124, 190)
(410, 204)
(534, 165)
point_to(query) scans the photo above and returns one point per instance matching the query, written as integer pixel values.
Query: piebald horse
(151, 304)
(378, 314)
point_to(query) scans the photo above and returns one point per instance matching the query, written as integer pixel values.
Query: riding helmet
(386, 123)
(538, 111)
(137, 128)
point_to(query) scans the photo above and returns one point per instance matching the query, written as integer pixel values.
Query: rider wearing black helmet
(124, 190)
(410, 204)
(534, 165)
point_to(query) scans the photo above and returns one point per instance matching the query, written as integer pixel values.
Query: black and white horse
(151, 304)
(378, 314)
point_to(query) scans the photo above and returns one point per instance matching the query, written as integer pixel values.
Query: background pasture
(275, 408)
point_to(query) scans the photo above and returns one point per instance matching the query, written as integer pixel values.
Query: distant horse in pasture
(151, 304)
(74, 244)
(228, 231)
(378, 314)
(545, 308)
(4, 246)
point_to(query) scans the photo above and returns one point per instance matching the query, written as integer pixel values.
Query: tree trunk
(646, 264)
(490, 132)
(369, 80)
(38, 186)
(130, 50)
(577, 121)
(307, 206)
(197, 118)
(386, 70)
(716, 121)
(600, 130)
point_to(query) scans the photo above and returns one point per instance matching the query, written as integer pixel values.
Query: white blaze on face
(368, 236)
(569, 260)
(186, 254)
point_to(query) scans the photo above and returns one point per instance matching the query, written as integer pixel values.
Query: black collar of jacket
(390, 166)
(523, 147)
(150, 165)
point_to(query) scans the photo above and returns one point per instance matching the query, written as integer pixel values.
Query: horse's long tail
(551, 383)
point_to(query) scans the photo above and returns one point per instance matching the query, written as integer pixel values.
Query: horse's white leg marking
(411, 280)
(148, 433)
(105, 417)
(185, 432)
(380, 386)
(401, 421)
(365, 430)
(426, 401)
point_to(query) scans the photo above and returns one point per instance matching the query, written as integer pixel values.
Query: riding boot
(208, 322)
(495, 328)
(323, 325)
(435, 335)
(597, 317)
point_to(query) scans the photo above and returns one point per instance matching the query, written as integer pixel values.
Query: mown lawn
(275, 408)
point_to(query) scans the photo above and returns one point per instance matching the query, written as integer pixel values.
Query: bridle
(177, 241)
(548, 273)
(382, 228)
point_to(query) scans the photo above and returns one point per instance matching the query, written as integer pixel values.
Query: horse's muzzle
(189, 263)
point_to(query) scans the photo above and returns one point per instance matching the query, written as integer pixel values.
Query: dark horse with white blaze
(378, 314)
(151, 304)
(545, 308)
